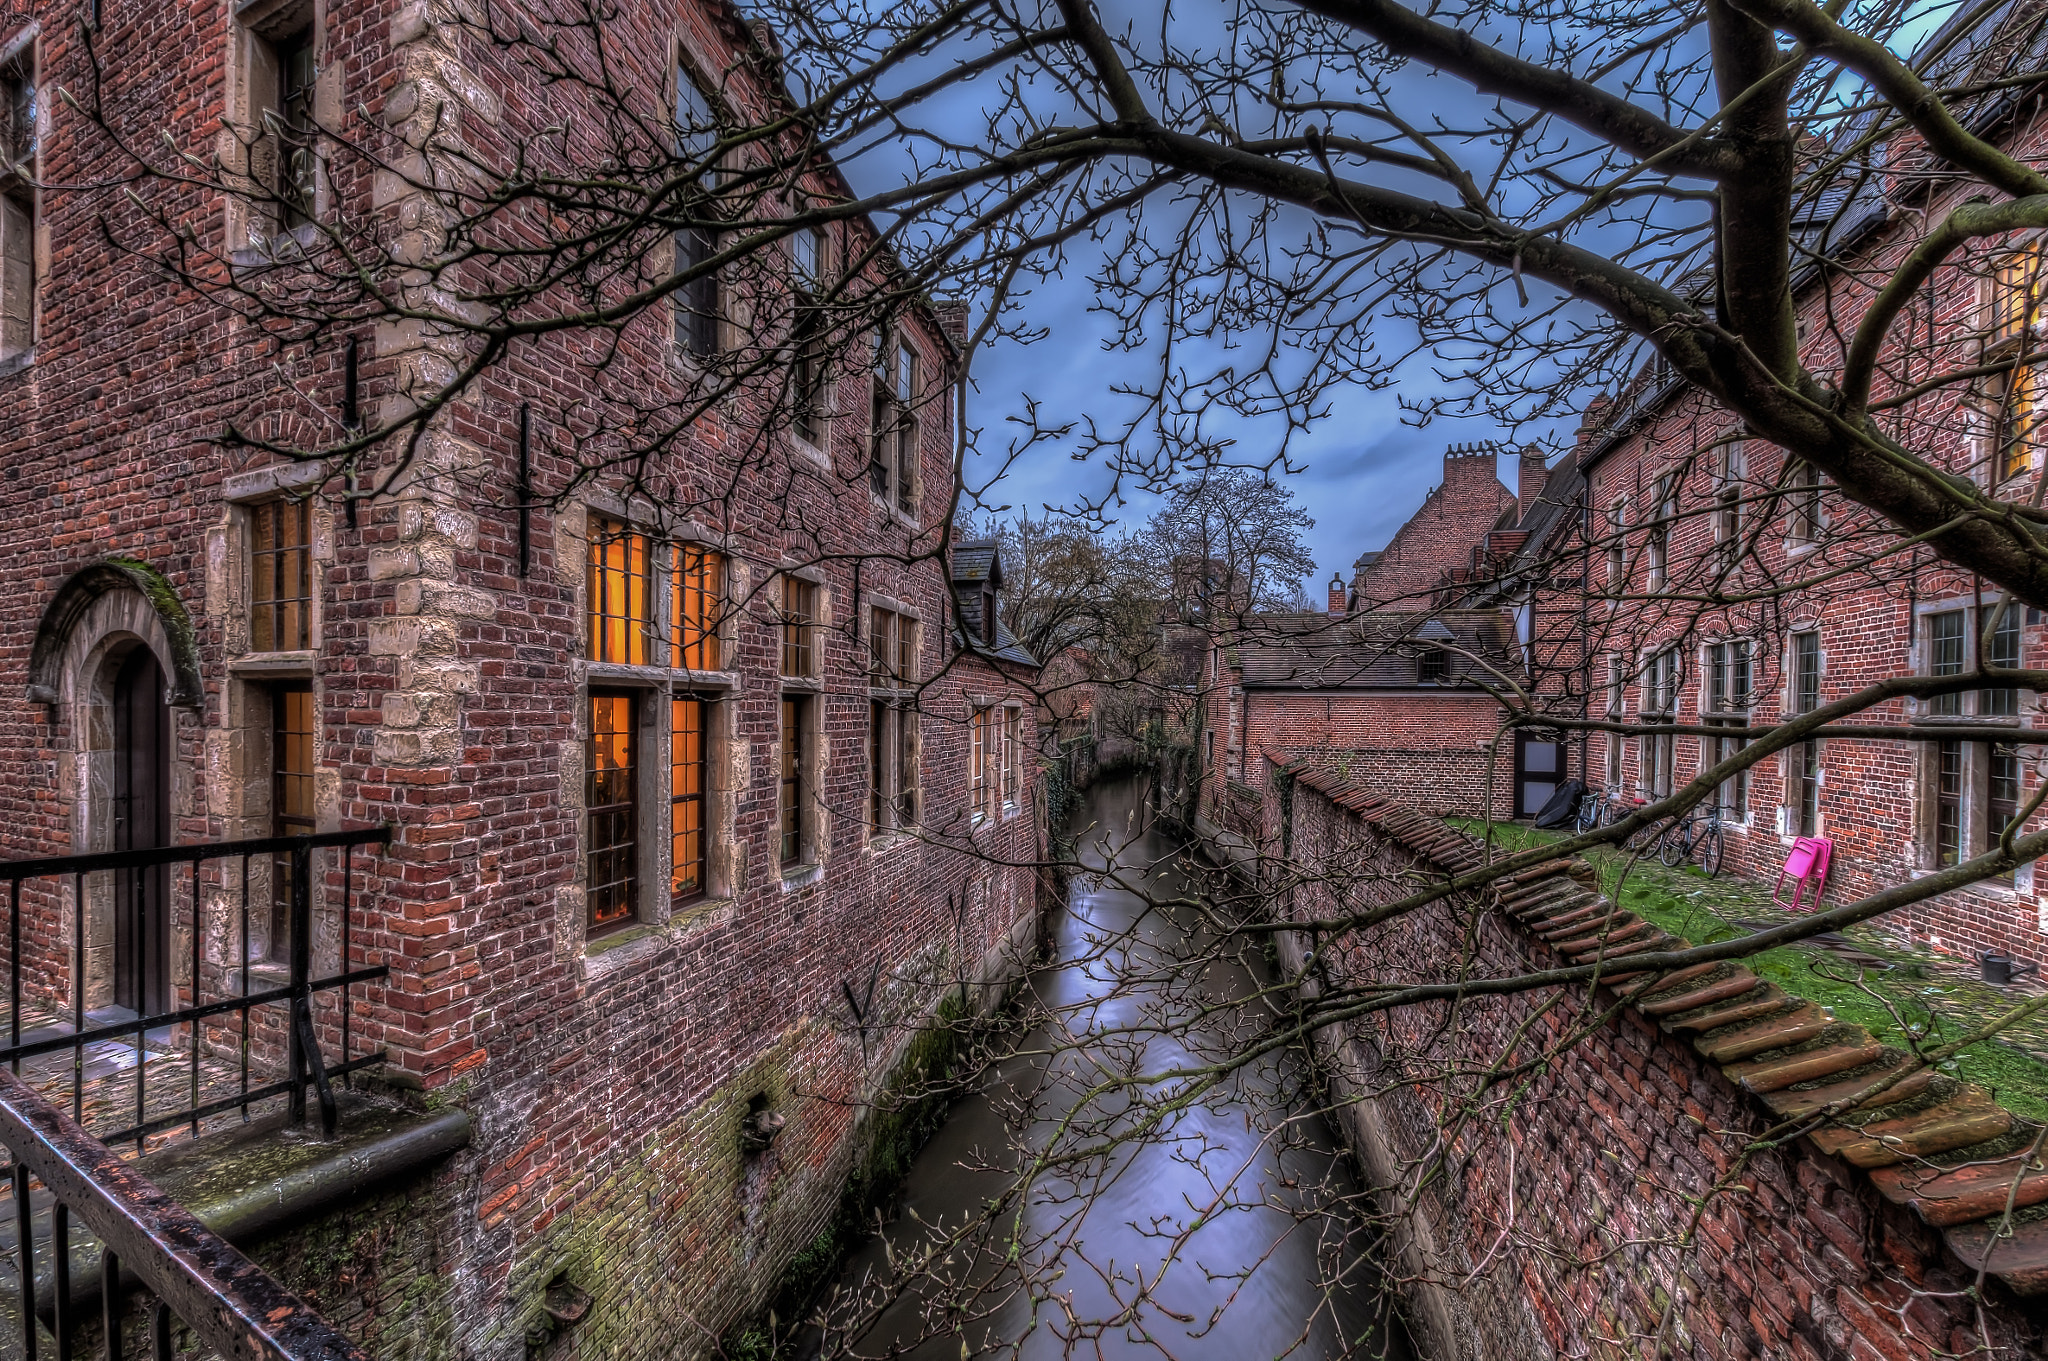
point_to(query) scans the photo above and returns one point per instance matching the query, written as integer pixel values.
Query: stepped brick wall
(1698, 1165)
(1439, 537)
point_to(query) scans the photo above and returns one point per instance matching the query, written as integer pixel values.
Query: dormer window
(988, 616)
(1433, 667)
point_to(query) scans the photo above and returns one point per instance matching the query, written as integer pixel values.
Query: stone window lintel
(296, 665)
(260, 484)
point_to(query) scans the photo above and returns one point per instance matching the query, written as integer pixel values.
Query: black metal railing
(304, 1065)
(146, 1239)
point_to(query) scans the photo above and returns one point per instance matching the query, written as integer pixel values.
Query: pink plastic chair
(1808, 864)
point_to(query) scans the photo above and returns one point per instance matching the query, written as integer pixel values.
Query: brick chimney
(1592, 425)
(1468, 467)
(955, 320)
(1340, 595)
(1534, 472)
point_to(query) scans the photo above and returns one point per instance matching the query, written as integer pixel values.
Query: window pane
(281, 576)
(879, 750)
(291, 796)
(686, 796)
(1945, 650)
(2017, 292)
(1948, 794)
(612, 811)
(698, 304)
(789, 804)
(799, 616)
(696, 597)
(619, 596)
(1806, 672)
(906, 767)
(2003, 651)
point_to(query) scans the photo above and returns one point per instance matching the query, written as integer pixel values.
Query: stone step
(1766, 999)
(1781, 1031)
(2020, 1259)
(1768, 1075)
(1735, 984)
(1800, 1104)
(1968, 1117)
(1949, 1196)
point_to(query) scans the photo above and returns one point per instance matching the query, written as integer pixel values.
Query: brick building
(698, 802)
(1687, 508)
(1402, 682)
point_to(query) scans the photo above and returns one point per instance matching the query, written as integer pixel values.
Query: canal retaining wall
(1624, 1193)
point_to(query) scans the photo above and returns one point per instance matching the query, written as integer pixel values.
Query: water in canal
(1155, 1217)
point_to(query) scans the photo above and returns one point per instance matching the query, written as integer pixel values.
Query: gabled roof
(1313, 651)
(976, 561)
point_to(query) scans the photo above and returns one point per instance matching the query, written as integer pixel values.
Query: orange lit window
(2016, 298)
(697, 590)
(281, 576)
(609, 802)
(2019, 421)
(619, 596)
(686, 796)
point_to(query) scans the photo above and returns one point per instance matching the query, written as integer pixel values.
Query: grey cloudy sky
(1363, 470)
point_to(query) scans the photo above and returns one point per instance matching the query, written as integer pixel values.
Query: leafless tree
(1273, 205)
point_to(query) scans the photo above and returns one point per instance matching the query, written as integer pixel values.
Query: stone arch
(102, 599)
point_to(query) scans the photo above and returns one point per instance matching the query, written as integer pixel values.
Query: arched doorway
(141, 820)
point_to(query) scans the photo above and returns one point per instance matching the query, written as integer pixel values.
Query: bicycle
(1694, 833)
(1610, 808)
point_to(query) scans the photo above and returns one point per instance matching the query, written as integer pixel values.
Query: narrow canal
(1153, 1217)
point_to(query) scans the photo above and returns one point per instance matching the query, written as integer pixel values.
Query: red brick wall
(1429, 750)
(1575, 1195)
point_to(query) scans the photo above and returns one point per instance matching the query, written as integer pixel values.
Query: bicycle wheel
(1644, 839)
(1710, 850)
(1675, 849)
(1589, 815)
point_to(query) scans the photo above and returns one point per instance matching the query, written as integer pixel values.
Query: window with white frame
(1659, 705)
(893, 726)
(1804, 759)
(1802, 502)
(1970, 790)
(1728, 496)
(1726, 704)
(1013, 757)
(1657, 539)
(984, 754)
(1617, 683)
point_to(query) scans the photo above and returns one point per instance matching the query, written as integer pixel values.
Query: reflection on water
(1196, 1216)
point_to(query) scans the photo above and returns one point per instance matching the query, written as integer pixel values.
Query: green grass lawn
(1908, 1001)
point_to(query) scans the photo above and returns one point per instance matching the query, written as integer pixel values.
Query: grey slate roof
(1314, 651)
(975, 562)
